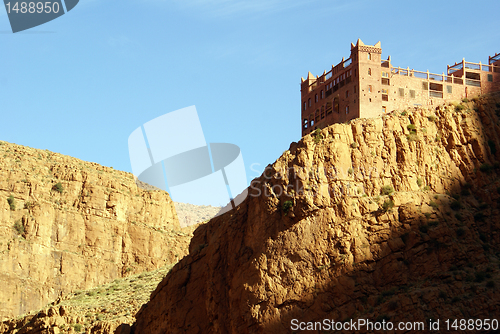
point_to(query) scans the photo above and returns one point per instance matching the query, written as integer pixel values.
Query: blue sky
(79, 85)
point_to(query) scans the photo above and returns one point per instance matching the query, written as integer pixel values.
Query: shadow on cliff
(275, 259)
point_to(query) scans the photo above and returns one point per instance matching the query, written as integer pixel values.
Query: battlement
(364, 85)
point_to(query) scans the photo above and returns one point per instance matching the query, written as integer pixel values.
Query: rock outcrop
(66, 224)
(190, 214)
(387, 219)
(99, 310)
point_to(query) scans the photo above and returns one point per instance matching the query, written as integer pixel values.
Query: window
(384, 109)
(402, 92)
(328, 108)
(347, 94)
(321, 94)
(384, 91)
(425, 85)
(336, 105)
(490, 77)
(312, 122)
(309, 102)
(354, 72)
(370, 88)
(305, 123)
(449, 89)
(385, 74)
(322, 112)
(316, 98)
(369, 71)
(346, 110)
(369, 56)
(304, 106)
(412, 93)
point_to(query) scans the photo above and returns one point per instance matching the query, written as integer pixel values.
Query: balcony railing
(472, 82)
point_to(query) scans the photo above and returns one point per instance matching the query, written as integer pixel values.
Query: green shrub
(387, 205)
(459, 107)
(77, 328)
(12, 203)
(317, 136)
(350, 171)
(18, 226)
(287, 206)
(412, 136)
(479, 217)
(433, 204)
(403, 113)
(434, 223)
(411, 127)
(486, 168)
(493, 146)
(200, 247)
(419, 182)
(455, 205)
(354, 145)
(427, 188)
(431, 118)
(465, 100)
(58, 187)
(480, 276)
(386, 190)
(382, 318)
(29, 205)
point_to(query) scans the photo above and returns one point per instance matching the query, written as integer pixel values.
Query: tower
(367, 62)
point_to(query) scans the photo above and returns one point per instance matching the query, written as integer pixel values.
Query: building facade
(365, 85)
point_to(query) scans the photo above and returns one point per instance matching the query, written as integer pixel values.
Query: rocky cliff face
(394, 219)
(66, 224)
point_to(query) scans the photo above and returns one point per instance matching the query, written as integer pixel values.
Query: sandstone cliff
(66, 224)
(394, 218)
(100, 310)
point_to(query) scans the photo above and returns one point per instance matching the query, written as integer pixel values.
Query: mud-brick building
(365, 85)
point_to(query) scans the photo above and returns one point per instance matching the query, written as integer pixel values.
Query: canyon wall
(389, 219)
(66, 224)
